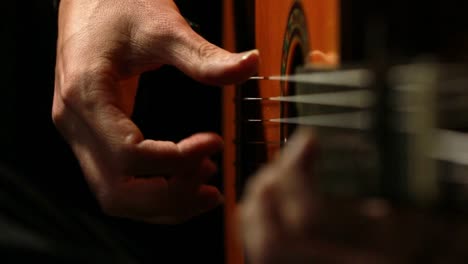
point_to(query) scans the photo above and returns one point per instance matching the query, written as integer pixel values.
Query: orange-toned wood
(322, 21)
(271, 19)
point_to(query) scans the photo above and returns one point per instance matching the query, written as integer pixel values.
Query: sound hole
(295, 52)
(290, 109)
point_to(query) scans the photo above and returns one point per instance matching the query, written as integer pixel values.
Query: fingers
(160, 200)
(170, 40)
(163, 158)
(97, 79)
(153, 200)
(208, 197)
(201, 145)
(173, 190)
(294, 164)
(170, 199)
(296, 175)
(276, 205)
(208, 63)
(260, 221)
(300, 151)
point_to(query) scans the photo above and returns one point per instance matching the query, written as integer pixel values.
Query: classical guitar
(288, 34)
(323, 64)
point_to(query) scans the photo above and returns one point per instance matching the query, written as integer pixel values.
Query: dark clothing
(35, 228)
(47, 211)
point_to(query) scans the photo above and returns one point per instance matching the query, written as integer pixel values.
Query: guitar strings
(359, 98)
(451, 146)
(355, 120)
(355, 78)
(347, 78)
(454, 94)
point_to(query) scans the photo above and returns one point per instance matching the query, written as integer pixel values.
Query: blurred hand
(277, 203)
(286, 218)
(103, 48)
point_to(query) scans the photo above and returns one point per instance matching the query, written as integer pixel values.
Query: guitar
(288, 34)
(313, 36)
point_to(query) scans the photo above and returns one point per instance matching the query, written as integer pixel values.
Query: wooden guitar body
(291, 34)
(288, 34)
(375, 147)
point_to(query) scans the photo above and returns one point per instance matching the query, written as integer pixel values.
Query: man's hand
(103, 48)
(284, 217)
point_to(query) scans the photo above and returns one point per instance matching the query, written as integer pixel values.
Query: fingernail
(247, 54)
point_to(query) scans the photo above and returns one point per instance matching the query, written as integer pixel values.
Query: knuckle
(206, 50)
(70, 96)
(58, 113)
(78, 83)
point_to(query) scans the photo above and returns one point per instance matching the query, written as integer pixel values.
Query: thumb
(210, 64)
(300, 157)
(301, 150)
